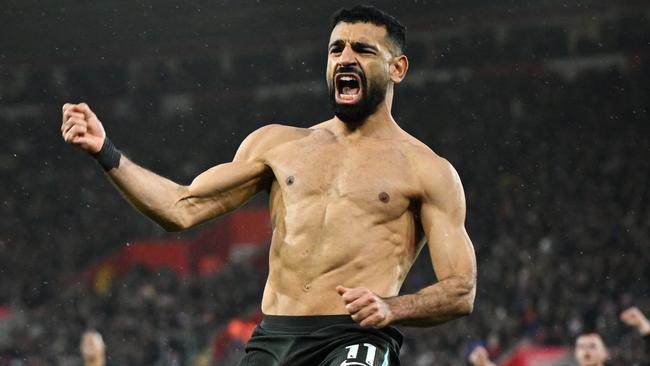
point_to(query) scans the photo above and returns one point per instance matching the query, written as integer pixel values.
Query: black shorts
(328, 340)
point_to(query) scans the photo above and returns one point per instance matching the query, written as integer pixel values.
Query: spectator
(93, 350)
(590, 350)
(480, 357)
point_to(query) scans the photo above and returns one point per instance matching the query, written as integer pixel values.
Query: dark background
(542, 107)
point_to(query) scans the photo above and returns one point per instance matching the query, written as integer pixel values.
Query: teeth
(347, 78)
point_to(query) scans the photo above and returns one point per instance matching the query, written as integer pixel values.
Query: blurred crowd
(556, 171)
(556, 176)
(147, 317)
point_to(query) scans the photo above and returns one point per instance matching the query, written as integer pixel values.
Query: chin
(356, 113)
(354, 98)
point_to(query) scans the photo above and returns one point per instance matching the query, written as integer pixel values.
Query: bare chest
(374, 177)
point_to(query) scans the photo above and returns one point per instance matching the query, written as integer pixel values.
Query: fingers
(364, 311)
(363, 305)
(85, 109)
(81, 127)
(375, 320)
(74, 128)
(69, 118)
(632, 311)
(350, 294)
(341, 290)
(81, 108)
(64, 109)
(74, 122)
(631, 315)
(635, 318)
(75, 139)
(360, 303)
(78, 129)
(75, 134)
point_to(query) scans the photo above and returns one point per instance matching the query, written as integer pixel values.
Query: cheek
(385, 71)
(581, 354)
(329, 66)
(379, 72)
(328, 73)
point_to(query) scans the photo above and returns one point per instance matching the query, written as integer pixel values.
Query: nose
(348, 56)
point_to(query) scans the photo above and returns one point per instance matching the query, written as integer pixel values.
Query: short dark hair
(370, 14)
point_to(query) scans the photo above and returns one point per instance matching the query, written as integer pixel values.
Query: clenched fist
(635, 318)
(365, 307)
(82, 128)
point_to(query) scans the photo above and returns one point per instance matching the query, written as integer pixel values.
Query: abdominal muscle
(318, 247)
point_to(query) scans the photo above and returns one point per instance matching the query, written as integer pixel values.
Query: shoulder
(436, 176)
(275, 134)
(267, 137)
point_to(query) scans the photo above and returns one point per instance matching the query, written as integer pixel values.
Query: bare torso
(350, 201)
(349, 207)
(343, 213)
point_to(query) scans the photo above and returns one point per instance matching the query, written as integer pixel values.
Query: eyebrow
(356, 45)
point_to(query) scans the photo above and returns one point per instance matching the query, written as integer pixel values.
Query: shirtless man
(352, 200)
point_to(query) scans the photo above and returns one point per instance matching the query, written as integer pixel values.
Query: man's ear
(398, 68)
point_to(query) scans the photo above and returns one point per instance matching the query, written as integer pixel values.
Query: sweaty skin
(351, 206)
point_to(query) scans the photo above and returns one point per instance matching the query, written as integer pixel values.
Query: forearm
(153, 195)
(446, 300)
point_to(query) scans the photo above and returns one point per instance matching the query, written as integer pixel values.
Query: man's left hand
(365, 307)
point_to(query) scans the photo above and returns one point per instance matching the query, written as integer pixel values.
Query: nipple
(384, 197)
(289, 180)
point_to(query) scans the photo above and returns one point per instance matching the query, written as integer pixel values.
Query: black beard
(355, 114)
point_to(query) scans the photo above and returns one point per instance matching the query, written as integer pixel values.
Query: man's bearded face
(353, 98)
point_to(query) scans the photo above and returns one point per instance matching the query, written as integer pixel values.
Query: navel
(384, 197)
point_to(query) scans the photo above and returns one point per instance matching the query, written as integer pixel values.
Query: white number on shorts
(354, 350)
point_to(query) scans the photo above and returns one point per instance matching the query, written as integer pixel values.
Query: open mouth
(348, 88)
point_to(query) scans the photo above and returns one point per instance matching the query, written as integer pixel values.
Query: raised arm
(175, 207)
(443, 219)
(635, 318)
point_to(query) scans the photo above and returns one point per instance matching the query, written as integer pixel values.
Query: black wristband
(108, 156)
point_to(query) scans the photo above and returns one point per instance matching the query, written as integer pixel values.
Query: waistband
(303, 323)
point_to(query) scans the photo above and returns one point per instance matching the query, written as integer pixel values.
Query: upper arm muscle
(227, 186)
(443, 220)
